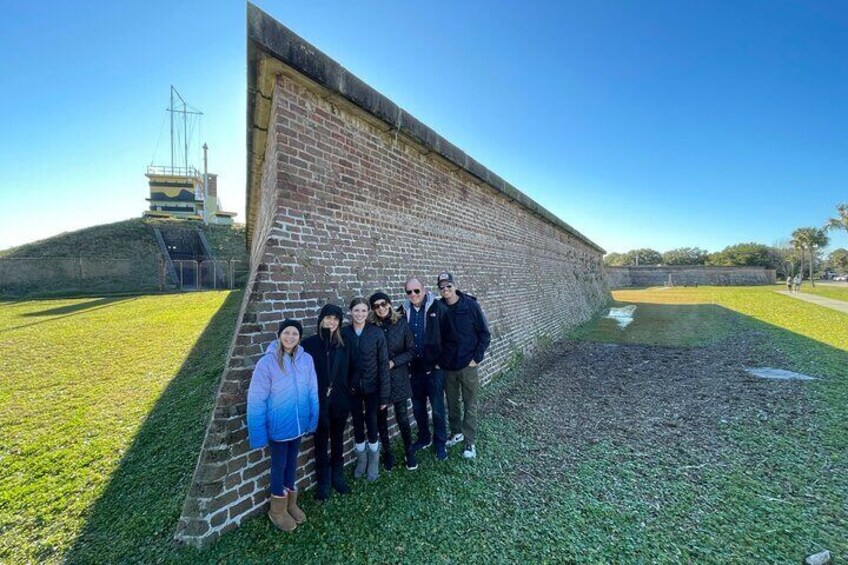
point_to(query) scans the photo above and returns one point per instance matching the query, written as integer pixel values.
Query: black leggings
(402, 418)
(334, 435)
(364, 414)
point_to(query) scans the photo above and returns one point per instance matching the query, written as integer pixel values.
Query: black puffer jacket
(369, 361)
(332, 365)
(401, 345)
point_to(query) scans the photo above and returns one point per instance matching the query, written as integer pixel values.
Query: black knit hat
(290, 323)
(330, 310)
(377, 296)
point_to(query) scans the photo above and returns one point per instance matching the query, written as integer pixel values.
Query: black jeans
(402, 419)
(429, 386)
(334, 435)
(364, 415)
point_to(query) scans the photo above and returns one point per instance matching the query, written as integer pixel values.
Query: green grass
(834, 292)
(121, 257)
(662, 324)
(101, 423)
(79, 380)
(127, 239)
(227, 242)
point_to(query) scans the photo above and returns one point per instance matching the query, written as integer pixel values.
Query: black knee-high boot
(338, 479)
(383, 428)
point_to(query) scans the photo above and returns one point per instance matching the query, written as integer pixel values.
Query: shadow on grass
(139, 508)
(70, 309)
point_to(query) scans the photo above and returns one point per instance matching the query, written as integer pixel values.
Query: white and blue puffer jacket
(282, 405)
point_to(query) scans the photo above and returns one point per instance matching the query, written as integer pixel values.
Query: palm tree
(809, 239)
(840, 223)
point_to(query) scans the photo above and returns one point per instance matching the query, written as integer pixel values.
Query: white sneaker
(458, 438)
(470, 452)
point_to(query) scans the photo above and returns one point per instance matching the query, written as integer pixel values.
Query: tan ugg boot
(279, 515)
(294, 510)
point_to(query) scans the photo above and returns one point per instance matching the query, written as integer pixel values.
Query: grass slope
(98, 471)
(128, 239)
(119, 258)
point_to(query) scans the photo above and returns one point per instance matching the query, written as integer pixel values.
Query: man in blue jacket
(464, 345)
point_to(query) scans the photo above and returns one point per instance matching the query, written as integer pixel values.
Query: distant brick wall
(344, 207)
(622, 277)
(617, 277)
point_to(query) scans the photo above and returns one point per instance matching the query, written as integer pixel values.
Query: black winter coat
(332, 365)
(369, 361)
(400, 344)
(467, 336)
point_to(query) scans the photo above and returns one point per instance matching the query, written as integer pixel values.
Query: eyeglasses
(445, 286)
(415, 290)
(381, 304)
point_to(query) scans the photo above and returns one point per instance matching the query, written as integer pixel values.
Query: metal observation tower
(178, 189)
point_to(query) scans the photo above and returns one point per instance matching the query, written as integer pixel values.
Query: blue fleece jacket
(282, 404)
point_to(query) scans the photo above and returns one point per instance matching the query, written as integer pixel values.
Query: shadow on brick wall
(143, 499)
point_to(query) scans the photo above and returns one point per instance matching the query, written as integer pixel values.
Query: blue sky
(643, 124)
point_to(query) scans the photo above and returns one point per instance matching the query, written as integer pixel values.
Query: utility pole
(205, 185)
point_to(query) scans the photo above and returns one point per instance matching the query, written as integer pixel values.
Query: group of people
(425, 349)
(793, 284)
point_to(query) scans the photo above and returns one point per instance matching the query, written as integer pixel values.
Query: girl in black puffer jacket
(400, 345)
(332, 366)
(369, 386)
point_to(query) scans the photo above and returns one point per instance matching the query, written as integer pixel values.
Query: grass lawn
(79, 378)
(828, 291)
(92, 481)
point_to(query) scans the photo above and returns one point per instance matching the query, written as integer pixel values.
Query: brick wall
(622, 277)
(342, 205)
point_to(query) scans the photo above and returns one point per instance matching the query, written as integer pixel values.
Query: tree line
(802, 253)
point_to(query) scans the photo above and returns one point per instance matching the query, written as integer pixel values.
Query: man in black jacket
(464, 345)
(425, 316)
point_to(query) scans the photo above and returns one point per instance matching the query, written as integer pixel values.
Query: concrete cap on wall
(269, 38)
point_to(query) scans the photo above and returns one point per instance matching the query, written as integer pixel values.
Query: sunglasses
(444, 286)
(414, 290)
(381, 304)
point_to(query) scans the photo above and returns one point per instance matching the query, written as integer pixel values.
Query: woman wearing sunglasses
(400, 345)
(369, 386)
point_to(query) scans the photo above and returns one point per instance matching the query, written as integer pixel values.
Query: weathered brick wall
(617, 277)
(622, 277)
(346, 206)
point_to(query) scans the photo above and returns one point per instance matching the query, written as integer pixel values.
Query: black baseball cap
(444, 277)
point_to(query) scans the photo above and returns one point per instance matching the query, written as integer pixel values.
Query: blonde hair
(376, 320)
(281, 360)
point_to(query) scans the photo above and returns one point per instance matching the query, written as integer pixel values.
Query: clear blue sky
(643, 123)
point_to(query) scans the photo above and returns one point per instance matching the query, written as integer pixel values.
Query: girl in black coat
(369, 386)
(332, 365)
(400, 344)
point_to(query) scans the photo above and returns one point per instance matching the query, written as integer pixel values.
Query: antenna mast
(180, 107)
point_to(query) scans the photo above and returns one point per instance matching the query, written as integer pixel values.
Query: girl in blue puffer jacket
(282, 407)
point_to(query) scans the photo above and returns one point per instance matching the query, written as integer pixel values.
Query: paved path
(838, 305)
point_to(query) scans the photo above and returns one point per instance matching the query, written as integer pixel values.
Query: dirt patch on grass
(666, 402)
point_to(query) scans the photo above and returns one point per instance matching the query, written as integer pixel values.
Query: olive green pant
(467, 381)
